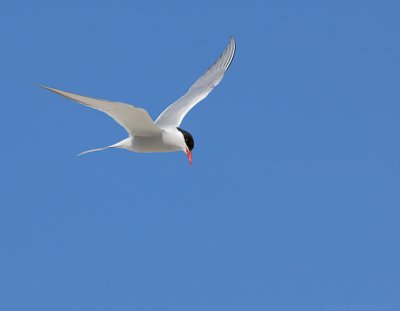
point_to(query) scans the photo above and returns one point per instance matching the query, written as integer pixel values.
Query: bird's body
(169, 140)
(163, 135)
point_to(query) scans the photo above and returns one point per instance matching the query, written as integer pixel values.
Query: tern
(164, 134)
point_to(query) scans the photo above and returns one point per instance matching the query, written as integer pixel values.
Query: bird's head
(189, 143)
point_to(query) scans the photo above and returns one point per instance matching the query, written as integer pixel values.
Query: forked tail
(92, 150)
(122, 144)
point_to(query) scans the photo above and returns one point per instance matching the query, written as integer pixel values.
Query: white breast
(169, 140)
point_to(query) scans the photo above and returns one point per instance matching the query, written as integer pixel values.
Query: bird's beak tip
(189, 155)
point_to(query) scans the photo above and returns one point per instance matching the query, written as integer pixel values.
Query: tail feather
(125, 143)
(92, 150)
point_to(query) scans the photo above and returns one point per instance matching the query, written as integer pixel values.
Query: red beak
(189, 155)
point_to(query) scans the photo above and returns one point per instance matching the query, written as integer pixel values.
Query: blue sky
(292, 201)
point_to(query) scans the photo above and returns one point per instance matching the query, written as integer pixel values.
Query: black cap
(188, 138)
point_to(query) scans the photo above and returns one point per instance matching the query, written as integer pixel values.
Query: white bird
(163, 135)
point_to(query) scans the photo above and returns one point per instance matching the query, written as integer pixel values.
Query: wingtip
(82, 153)
(86, 152)
(232, 48)
(38, 84)
(41, 86)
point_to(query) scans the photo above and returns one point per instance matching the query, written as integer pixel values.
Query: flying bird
(164, 134)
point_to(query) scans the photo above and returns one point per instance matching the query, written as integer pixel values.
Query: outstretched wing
(174, 114)
(136, 121)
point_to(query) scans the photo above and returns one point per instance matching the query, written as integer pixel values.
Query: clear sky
(292, 201)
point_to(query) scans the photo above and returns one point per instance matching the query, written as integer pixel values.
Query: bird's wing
(136, 121)
(174, 113)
